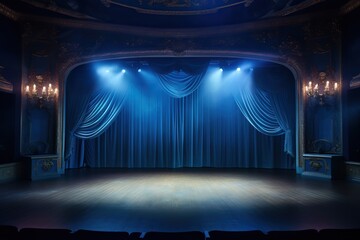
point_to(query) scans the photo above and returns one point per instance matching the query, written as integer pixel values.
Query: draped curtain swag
(88, 116)
(179, 78)
(268, 111)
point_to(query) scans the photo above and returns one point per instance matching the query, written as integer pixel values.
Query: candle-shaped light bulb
(34, 90)
(50, 90)
(327, 87)
(27, 89)
(44, 90)
(306, 89)
(335, 86)
(55, 91)
(316, 87)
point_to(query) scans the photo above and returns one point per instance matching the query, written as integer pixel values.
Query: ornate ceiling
(182, 7)
(171, 13)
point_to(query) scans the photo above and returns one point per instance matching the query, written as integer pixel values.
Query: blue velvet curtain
(90, 110)
(158, 131)
(266, 106)
(190, 126)
(100, 112)
(280, 87)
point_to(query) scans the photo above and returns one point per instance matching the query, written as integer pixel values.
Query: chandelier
(321, 88)
(41, 92)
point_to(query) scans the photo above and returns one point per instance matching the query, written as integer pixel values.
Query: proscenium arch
(287, 62)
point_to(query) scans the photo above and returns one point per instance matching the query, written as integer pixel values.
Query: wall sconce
(321, 88)
(40, 93)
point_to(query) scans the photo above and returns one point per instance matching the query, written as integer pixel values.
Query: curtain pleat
(88, 117)
(99, 114)
(269, 112)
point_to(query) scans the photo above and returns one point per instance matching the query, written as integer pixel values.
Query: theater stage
(181, 200)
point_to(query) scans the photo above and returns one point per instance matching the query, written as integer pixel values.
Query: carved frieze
(179, 46)
(320, 35)
(284, 44)
(39, 31)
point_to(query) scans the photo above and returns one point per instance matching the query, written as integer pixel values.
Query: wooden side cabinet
(324, 166)
(41, 166)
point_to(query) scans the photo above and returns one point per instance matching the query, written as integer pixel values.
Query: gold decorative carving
(287, 45)
(39, 78)
(316, 165)
(179, 46)
(46, 165)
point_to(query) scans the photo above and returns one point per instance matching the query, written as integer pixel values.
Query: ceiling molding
(169, 7)
(172, 32)
(292, 9)
(9, 13)
(176, 33)
(350, 6)
(59, 10)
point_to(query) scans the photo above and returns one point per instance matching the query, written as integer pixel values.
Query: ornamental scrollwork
(285, 44)
(47, 165)
(179, 46)
(40, 31)
(291, 46)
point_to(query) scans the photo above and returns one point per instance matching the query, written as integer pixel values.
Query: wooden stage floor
(181, 200)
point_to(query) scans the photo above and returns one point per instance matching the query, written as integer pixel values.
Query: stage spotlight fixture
(238, 69)
(123, 71)
(221, 69)
(139, 70)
